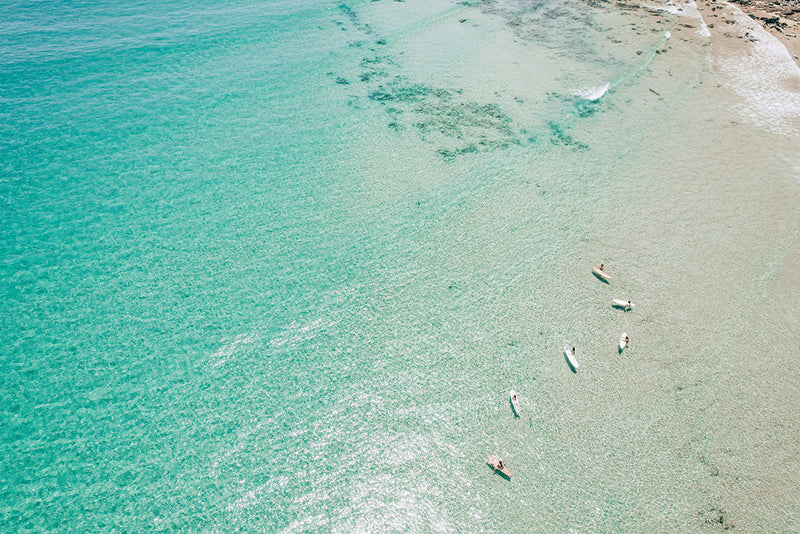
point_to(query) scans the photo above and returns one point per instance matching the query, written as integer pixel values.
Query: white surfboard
(571, 357)
(515, 403)
(626, 304)
(601, 274)
(495, 463)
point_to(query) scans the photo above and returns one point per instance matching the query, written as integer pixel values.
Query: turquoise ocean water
(275, 266)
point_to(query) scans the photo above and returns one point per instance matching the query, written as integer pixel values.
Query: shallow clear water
(275, 267)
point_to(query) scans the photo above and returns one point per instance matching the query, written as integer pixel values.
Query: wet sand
(781, 18)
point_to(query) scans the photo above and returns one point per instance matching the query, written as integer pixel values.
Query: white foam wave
(683, 9)
(592, 93)
(704, 31)
(668, 7)
(766, 77)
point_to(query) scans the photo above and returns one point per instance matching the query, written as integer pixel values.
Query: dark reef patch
(442, 116)
(715, 517)
(560, 137)
(586, 108)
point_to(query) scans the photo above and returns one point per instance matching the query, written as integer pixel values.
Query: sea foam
(685, 9)
(764, 75)
(592, 93)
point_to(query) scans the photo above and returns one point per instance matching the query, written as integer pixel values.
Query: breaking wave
(592, 93)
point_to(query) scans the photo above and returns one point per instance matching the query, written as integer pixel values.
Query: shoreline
(777, 17)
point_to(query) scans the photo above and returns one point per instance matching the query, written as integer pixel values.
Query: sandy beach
(781, 18)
